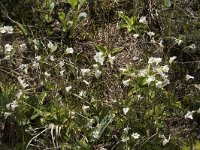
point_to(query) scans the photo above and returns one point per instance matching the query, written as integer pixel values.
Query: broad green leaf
(167, 3)
(73, 3)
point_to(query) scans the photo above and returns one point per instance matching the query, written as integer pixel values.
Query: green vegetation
(99, 74)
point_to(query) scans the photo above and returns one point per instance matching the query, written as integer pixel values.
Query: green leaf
(101, 48)
(22, 28)
(117, 50)
(61, 16)
(167, 3)
(73, 3)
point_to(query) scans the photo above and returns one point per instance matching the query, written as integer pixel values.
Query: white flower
(62, 72)
(177, 41)
(51, 46)
(171, 59)
(125, 139)
(135, 36)
(8, 48)
(99, 57)
(69, 50)
(123, 70)
(188, 77)
(143, 19)
(85, 107)
(24, 67)
(23, 47)
(159, 84)
(35, 64)
(150, 33)
(111, 59)
(165, 82)
(47, 74)
(98, 73)
(125, 110)
(155, 60)
(7, 114)
(96, 134)
(126, 129)
(126, 82)
(2, 30)
(11, 106)
(52, 58)
(82, 93)
(189, 115)
(85, 71)
(135, 135)
(22, 82)
(161, 43)
(192, 46)
(19, 94)
(165, 68)
(165, 141)
(150, 79)
(61, 64)
(142, 73)
(38, 58)
(68, 88)
(9, 29)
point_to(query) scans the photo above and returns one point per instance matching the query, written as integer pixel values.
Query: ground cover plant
(102, 75)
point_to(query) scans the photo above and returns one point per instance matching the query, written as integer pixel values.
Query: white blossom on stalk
(85, 71)
(142, 73)
(69, 50)
(155, 60)
(47, 74)
(143, 20)
(9, 29)
(166, 82)
(8, 48)
(161, 43)
(85, 107)
(68, 88)
(111, 59)
(189, 115)
(125, 139)
(11, 106)
(150, 79)
(165, 68)
(22, 82)
(171, 59)
(178, 41)
(52, 46)
(125, 110)
(126, 82)
(6, 29)
(159, 84)
(7, 114)
(23, 47)
(150, 33)
(135, 135)
(188, 77)
(192, 46)
(136, 36)
(99, 57)
(38, 58)
(97, 71)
